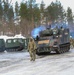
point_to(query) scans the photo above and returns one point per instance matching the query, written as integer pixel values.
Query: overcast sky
(65, 3)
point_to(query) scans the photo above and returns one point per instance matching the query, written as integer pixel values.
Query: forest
(24, 17)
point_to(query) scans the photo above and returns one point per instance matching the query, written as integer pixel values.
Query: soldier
(32, 49)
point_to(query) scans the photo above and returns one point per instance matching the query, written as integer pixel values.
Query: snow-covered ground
(18, 63)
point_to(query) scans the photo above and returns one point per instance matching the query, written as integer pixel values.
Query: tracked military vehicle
(14, 44)
(56, 39)
(2, 45)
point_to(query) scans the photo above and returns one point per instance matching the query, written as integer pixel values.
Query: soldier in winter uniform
(32, 49)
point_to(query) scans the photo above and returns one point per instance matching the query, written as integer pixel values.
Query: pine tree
(69, 16)
(16, 9)
(55, 11)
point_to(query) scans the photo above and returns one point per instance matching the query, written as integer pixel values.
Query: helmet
(31, 39)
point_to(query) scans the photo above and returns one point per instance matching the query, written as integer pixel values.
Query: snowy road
(18, 63)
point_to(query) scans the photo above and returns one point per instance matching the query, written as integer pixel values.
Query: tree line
(23, 17)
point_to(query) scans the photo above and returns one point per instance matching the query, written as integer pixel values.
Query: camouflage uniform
(32, 49)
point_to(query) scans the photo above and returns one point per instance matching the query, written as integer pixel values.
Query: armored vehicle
(26, 43)
(2, 45)
(56, 39)
(14, 44)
